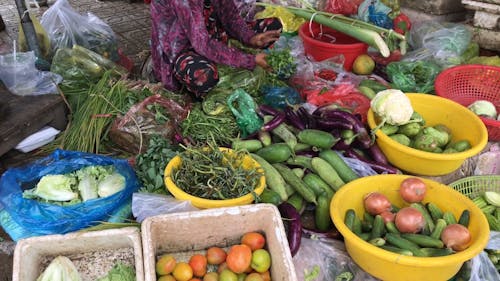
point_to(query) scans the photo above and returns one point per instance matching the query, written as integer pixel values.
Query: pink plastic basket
(466, 84)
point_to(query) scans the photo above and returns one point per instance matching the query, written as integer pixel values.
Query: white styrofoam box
(222, 227)
(93, 253)
(38, 139)
(487, 20)
(481, 6)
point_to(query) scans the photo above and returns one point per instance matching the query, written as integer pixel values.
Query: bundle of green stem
(89, 122)
(378, 37)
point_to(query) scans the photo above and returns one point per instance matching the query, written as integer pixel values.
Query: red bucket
(322, 42)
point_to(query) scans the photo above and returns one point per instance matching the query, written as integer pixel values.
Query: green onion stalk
(378, 37)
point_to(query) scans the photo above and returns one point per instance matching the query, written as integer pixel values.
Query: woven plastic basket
(475, 185)
(468, 83)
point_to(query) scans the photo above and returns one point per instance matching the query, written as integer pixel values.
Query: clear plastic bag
(481, 267)
(66, 27)
(413, 77)
(145, 205)
(319, 260)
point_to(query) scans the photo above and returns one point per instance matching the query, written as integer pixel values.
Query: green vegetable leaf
(311, 275)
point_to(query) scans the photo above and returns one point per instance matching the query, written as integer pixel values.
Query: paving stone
(486, 20)
(434, 7)
(487, 39)
(480, 6)
(419, 15)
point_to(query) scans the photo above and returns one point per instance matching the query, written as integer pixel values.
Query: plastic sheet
(145, 205)
(41, 218)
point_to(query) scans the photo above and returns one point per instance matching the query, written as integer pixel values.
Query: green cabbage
(60, 269)
(56, 188)
(111, 184)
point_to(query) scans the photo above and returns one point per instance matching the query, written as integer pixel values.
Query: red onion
(456, 237)
(409, 220)
(412, 190)
(375, 203)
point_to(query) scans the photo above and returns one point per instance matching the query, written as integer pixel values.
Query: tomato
(254, 240)
(239, 258)
(199, 265)
(412, 190)
(165, 265)
(182, 272)
(261, 260)
(216, 255)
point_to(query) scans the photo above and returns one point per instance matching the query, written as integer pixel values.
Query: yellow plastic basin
(435, 110)
(390, 266)
(248, 162)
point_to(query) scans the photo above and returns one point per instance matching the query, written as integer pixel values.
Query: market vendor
(189, 37)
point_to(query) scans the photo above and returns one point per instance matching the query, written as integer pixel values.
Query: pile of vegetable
(211, 173)
(85, 184)
(489, 203)
(282, 64)
(415, 229)
(401, 123)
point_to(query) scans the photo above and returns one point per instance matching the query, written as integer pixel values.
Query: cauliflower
(392, 106)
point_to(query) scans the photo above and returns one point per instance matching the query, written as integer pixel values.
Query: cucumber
(340, 166)
(367, 92)
(464, 218)
(379, 241)
(274, 180)
(429, 223)
(364, 236)
(317, 138)
(449, 218)
(316, 184)
(480, 202)
(327, 173)
(374, 85)
(286, 135)
(434, 211)
(423, 240)
(249, 145)
(488, 209)
(391, 227)
(322, 213)
(301, 147)
(299, 172)
(397, 250)
(435, 252)
(440, 225)
(297, 183)
(301, 161)
(288, 189)
(270, 196)
(356, 226)
(275, 153)
(366, 226)
(349, 218)
(297, 202)
(378, 227)
(403, 243)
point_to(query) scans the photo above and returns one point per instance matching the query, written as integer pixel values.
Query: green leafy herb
(311, 275)
(119, 272)
(282, 63)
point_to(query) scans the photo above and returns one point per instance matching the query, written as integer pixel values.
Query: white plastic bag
(481, 266)
(66, 28)
(146, 205)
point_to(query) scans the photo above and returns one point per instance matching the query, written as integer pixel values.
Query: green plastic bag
(413, 77)
(243, 108)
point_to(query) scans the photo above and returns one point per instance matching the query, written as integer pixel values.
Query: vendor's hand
(264, 39)
(260, 60)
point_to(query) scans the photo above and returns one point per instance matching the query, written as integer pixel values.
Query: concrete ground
(131, 24)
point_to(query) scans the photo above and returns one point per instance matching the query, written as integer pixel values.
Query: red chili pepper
(402, 23)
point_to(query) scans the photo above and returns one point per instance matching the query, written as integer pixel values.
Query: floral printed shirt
(179, 25)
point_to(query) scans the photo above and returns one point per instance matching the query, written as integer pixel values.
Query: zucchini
(249, 145)
(275, 153)
(270, 196)
(480, 202)
(493, 222)
(286, 135)
(296, 201)
(423, 240)
(274, 180)
(489, 209)
(435, 252)
(449, 218)
(378, 227)
(316, 184)
(301, 161)
(327, 173)
(317, 138)
(345, 172)
(434, 211)
(397, 250)
(464, 218)
(403, 243)
(440, 225)
(297, 183)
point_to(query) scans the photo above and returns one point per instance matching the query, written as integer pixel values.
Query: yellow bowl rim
(462, 256)
(430, 155)
(208, 203)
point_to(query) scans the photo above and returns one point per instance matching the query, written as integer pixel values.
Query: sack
(155, 115)
(66, 28)
(40, 218)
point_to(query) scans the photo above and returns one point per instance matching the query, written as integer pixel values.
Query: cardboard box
(183, 234)
(93, 253)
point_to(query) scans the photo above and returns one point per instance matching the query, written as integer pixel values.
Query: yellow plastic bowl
(435, 110)
(248, 162)
(390, 266)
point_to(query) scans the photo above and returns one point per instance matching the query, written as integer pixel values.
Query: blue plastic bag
(280, 97)
(41, 218)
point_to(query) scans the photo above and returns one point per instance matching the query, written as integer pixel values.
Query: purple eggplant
(330, 124)
(291, 218)
(378, 167)
(268, 110)
(294, 119)
(377, 155)
(363, 138)
(275, 122)
(309, 120)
